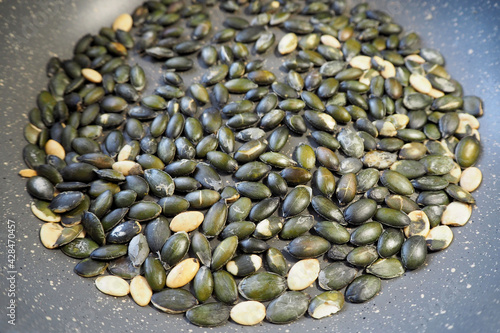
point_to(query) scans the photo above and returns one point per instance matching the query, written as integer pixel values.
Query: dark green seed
(262, 286)
(413, 252)
(392, 217)
(281, 310)
(172, 300)
(225, 288)
(308, 246)
(208, 314)
(363, 288)
(336, 276)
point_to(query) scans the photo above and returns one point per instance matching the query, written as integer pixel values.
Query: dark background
(457, 290)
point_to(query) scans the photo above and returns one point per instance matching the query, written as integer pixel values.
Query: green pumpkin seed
(90, 268)
(363, 288)
(224, 252)
(413, 252)
(279, 310)
(173, 300)
(392, 217)
(308, 246)
(253, 190)
(208, 314)
(203, 284)
(79, 248)
(175, 248)
(262, 287)
(467, 151)
(297, 201)
(202, 199)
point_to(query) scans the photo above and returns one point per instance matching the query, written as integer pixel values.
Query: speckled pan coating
(429, 299)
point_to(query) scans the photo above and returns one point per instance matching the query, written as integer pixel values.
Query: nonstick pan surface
(457, 290)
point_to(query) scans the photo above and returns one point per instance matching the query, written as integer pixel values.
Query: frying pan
(457, 290)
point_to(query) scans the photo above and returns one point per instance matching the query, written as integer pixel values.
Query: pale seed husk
(419, 224)
(439, 238)
(330, 40)
(112, 285)
(128, 168)
(362, 62)
(420, 83)
(389, 70)
(123, 22)
(27, 173)
(92, 75)
(288, 43)
(183, 273)
(49, 233)
(52, 147)
(435, 93)
(303, 274)
(140, 290)
(471, 178)
(326, 304)
(41, 210)
(456, 214)
(248, 313)
(186, 221)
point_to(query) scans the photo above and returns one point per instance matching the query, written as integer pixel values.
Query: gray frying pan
(457, 290)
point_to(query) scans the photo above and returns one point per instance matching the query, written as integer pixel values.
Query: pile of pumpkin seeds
(132, 183)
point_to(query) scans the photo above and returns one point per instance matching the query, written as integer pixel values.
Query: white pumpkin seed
(288, 43)
(399, 120)
(439, 238)
(27, 173)
(40, 209)
(329, 40)
(471, 178)
(385, 128)
(456, 214)
(419, 225)
(49, 233)
(389, 70)
(52, 147)
(140, 290)
(183, 273)
(123, 22)
(92, 75)
(128, 168)
(420, 83)
(326, 304)
(248, 313)
(466, 121)
(435, 93)
(124, 154)
(186, 221)
(416, 58)
(303, 274)
(362, 62)
(112, 285)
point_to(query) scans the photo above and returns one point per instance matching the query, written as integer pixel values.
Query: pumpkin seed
(326, 304)
(262, 287)
(182, 273)
(173, 300)
(208, 314)
(112, 285)
(140, 290)
(288, 307)
(439, 238)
